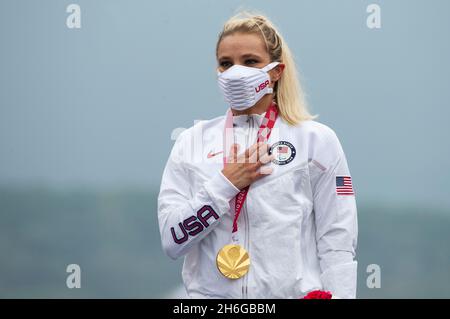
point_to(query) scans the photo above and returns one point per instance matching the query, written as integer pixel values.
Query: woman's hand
(244, 169)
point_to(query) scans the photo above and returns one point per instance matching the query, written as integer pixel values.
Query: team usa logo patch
(344, 185)
(284, 152)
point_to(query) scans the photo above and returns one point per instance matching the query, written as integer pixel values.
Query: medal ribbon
(263, 136)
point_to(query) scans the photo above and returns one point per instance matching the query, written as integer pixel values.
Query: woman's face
(245, 49)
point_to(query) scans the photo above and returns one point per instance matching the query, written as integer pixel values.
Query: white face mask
(244, 86)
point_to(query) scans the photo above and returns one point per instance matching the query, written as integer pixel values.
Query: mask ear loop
(267, 68)
(270, 66)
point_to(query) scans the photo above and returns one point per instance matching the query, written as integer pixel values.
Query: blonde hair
(289, 94)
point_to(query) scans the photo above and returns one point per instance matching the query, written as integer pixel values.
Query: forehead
(237, 44)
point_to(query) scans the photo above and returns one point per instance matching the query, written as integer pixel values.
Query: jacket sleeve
(336, 223)
(185, 218)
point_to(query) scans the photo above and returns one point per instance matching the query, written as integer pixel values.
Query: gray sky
(96, 106)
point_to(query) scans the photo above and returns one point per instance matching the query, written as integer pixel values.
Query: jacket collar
(245, 120)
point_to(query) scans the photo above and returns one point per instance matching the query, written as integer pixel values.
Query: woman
(259, 200)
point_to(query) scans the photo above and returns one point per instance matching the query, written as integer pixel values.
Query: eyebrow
(247, 55)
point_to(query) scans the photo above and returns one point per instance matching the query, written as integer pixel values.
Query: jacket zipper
(247, 226)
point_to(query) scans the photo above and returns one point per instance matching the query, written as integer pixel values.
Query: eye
(225, 64)
(250, 62)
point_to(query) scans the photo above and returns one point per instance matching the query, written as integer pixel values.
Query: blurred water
(114, 238)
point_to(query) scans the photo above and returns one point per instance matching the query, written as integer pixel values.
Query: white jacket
(299, 232)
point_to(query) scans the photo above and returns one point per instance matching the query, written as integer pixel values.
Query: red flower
(318, 294)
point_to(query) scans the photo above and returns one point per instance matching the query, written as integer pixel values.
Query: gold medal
(233, 261)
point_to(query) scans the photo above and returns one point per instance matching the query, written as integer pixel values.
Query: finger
(260, 150)
(233, 153)
(236, 152)
(250, 150)
(266, 158)
(254, 148)
(253, 158)
(265, 170)
(263, 150)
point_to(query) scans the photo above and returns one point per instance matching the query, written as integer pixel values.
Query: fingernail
(266, 170)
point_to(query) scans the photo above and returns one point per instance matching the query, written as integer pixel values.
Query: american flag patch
(344, 185)
(283, 149)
